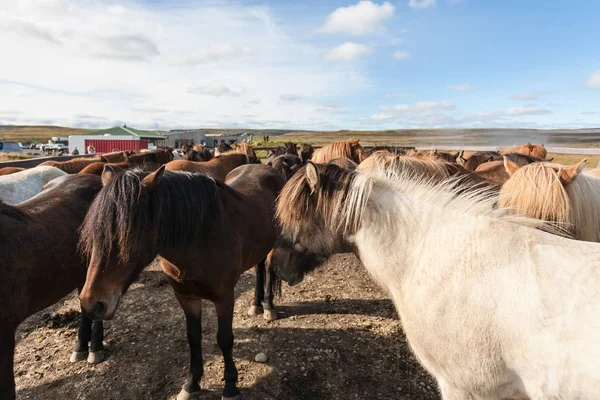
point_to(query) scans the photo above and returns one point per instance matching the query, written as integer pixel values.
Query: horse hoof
(254, 310)
(95, 357)
(78, 356)
(270, 315)
(185, 395)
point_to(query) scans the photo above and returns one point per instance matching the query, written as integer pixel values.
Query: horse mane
(344, 163)
(349, 148)
(13, 212)
(392, 166)
(523, 159)
(537, 191)
(342, 196)
(126, 213)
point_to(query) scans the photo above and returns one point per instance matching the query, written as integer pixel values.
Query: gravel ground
(337, 337)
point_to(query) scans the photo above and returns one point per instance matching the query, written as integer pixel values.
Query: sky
(311, 64)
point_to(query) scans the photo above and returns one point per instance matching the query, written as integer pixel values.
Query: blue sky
(305, 64)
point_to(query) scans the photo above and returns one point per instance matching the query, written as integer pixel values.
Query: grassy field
(35, 134)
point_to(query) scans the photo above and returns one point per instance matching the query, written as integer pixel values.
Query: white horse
(493, 309)
(23, 185)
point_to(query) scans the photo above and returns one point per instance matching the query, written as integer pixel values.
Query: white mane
(20, 186)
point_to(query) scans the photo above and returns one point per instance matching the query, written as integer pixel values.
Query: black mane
(177, 211)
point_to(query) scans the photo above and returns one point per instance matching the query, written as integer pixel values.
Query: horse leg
(7, 354)
(270, 313)
(97, 346)
(224, 310)
(192, 307)
(259, 290)
(84, 335)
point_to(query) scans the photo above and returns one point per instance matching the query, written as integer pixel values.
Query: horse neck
(584, 198)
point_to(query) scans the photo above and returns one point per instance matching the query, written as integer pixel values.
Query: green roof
(127, 131)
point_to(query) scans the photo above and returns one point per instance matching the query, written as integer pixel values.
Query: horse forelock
(336, 202)
(176, 211)
(536, 191)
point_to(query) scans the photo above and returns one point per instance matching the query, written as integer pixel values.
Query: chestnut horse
(536, 150)
(349, 148)
(10, 170)
(217, 168)
(40, 264)
(74, 165)
(193, 223)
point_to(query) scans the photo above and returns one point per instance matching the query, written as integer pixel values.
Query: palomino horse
(552, 192)
(434, 155)
(536, 150)
(217, 168)
(306, 152)
(349, 149)
(20, 186)
(193, 223)
(456, 297)
(40, 264)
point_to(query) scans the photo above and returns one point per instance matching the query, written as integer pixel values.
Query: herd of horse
(491, 259)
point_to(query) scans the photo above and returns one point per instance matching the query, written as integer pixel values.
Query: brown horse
(287, 165)
(40, 264)
(158, 156)
(10, 170)
(434, 155)
(217, 168)
(117, 156)
(193, 223)
(344, 163)
(306, 152)
(75, 165)
(495, 172)
(480, 157)
(291, 148)
(245, 148)
(349, 149)
(223, 148)
(536, 150)
(276, 152)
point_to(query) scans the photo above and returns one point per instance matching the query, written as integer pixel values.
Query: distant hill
(36, 133)
(436, 138)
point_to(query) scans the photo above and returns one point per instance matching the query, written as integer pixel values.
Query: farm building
(119, 138)
(176, 138)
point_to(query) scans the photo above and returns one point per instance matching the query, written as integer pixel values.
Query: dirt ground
(338, 337)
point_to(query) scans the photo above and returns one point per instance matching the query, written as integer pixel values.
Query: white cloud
(590, 112)
(421, 3)
(401, 55)
(528, 96)
(363, 18)
(461, 87)
(196, 74)
(216, 91)
(512, 112)
(330, 110)
(420, 108)
(348, 52)
(290, 98)
(593, 81)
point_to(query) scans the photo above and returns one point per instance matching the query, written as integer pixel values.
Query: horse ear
(548, 159)
(154, 177)
(569, 174)
(455, 155)
(103, 159)
(312, 175)
(530, 146)
(108, 173)
(510, 166)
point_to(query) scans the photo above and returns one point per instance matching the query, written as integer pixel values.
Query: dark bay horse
(306, 152)
(217, 168)
(40, 264)
(287, 165)
(193, 223)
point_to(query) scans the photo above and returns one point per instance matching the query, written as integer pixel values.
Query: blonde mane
(537, 191)
(392, 165)
(346, 149)
(342, 198)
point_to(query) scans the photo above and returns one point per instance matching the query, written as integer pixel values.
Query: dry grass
(35, 134)
(14, 156)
